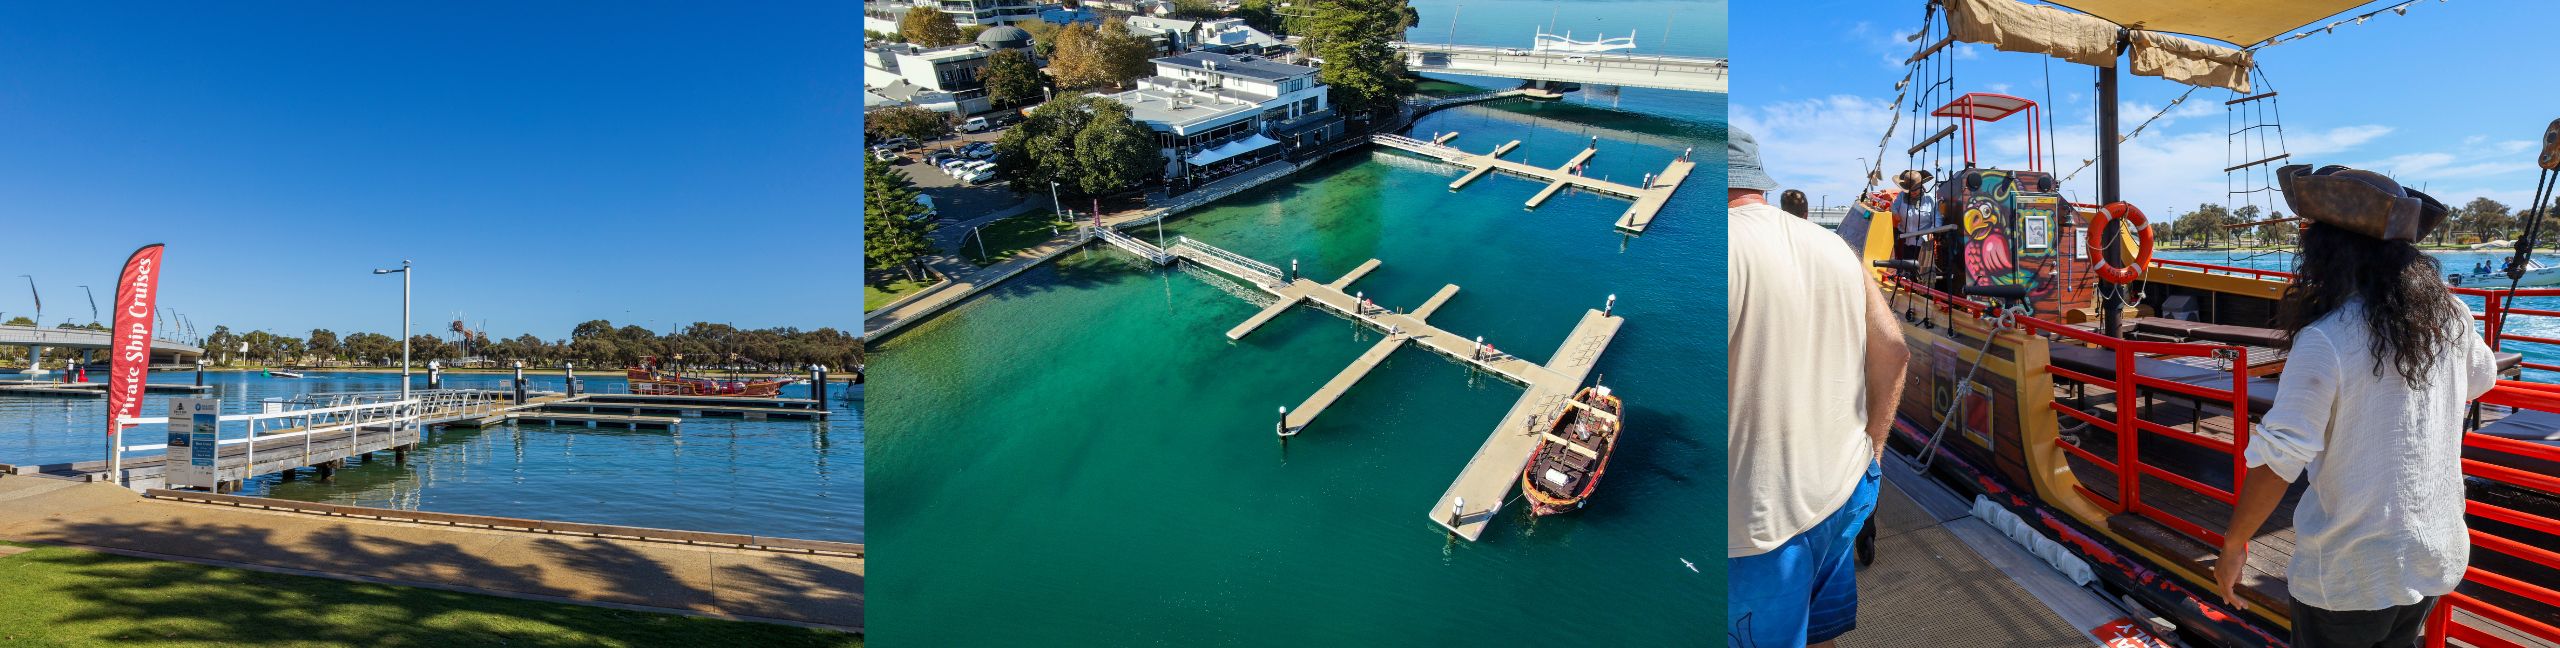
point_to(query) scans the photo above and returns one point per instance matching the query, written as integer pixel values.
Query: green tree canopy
(907, 121)
(2489, 219)
(1351, 36)
(1113, 152)
(1012, 77)
(1044, 36)
(893, 234)
(1127, 56)
(930, 28)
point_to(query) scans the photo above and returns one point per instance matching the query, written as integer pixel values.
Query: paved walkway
(657, 576)
(961, 280)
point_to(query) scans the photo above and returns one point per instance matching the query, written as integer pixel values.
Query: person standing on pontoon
(1815, 364)
(2369, 411)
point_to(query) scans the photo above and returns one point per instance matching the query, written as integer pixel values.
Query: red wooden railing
(2128, 427)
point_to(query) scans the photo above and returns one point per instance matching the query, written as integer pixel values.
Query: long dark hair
(2407, 310)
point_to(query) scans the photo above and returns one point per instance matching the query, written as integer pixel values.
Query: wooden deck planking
(1437, 300)
(1354, 275)
(1324, 396)
(1656, 193)
(1494, 470)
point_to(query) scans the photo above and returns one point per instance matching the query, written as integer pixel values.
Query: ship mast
(2110, 184)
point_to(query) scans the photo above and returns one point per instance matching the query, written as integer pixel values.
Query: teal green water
(1080, 456)
(798, 479)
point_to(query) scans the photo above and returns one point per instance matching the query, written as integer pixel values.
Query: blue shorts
(1804, 591)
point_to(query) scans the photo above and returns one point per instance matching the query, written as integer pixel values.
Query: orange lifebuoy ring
(2098, 227)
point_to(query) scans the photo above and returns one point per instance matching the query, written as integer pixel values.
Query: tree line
(594, 344)
(2479, 220)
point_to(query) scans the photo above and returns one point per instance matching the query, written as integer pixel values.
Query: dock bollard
(435, 375)
(1282, 426)
(1611, 305)
(519, 384)
(1457, 510)
(199, 372)
(818, 383)
(569, 370)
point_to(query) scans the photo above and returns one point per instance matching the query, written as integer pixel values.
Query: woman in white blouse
(2369, 411)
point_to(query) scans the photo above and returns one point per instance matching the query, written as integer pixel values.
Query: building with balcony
(940, 79)
(1216, 114)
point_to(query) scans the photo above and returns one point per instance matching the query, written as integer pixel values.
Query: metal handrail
(1248, 262)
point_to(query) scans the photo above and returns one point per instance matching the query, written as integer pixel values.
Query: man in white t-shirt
(1815, 362)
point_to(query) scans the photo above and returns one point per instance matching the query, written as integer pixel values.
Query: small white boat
(280, 373)
(2536, 275)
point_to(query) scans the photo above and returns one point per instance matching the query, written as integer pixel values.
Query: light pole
(93, 303)
(31, 291)
(1055, 210)
(404, 324)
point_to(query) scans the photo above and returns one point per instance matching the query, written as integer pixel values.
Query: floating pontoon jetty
(1649, 199)
(1483, 485)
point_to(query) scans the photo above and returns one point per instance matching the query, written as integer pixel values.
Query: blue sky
(2444, 98)
(542, 163)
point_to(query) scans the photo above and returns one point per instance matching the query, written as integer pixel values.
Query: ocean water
(1080, 456)
(2537, 326)
(800, 479)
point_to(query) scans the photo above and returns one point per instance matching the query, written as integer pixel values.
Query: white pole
(404, 329)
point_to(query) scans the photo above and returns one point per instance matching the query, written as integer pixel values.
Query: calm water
(798, 479)
(1080, 453)
(2453, 262)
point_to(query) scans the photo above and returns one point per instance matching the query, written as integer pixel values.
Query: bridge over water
(36, 339)
(1690, 73)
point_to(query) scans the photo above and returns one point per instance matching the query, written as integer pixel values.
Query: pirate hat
(2359, 201)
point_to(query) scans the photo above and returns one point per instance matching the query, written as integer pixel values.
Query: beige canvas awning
(2190, 62)
(2090, 39)
(2239, 22)
(2012, 26)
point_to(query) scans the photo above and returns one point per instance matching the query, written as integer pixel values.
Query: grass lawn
(873, 297)
(57, 596)
(1439, 88)
(1006, 236)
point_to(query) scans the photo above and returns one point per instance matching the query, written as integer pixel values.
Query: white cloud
(1816, 145)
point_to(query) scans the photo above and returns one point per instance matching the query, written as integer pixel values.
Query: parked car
(952, 166)
(979, 165)
(883, 154)
(1514, 51)
(974, 124)
(979, 151)
(1576, 59)
(979, 176)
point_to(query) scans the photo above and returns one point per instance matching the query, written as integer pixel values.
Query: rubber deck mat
(1927, 588)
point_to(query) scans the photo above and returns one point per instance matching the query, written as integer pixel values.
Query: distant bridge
(1693, 74)
(36, 338)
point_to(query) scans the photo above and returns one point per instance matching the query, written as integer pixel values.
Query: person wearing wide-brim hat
(2369, 411)
(1814, 367)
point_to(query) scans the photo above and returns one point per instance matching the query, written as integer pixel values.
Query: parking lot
(954, 200)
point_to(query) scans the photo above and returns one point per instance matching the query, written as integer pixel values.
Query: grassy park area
(875, 296)
(1005, 237)
(59, 596)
